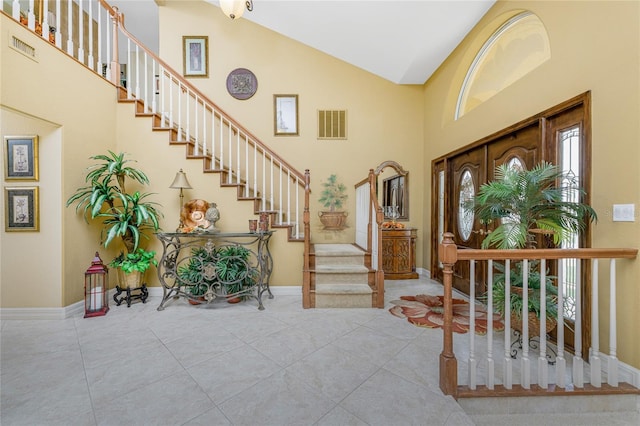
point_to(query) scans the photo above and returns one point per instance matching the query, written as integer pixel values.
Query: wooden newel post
(448, 255)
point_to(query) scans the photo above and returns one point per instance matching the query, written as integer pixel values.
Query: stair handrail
(449, 254)
(119, 20)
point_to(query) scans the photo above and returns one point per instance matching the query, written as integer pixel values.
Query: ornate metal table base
(534, 343)
(142, 294)
(180, 251)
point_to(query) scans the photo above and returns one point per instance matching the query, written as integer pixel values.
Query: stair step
(335, 250)
(343, 296)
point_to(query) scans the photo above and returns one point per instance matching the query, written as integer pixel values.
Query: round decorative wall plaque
(242, 83)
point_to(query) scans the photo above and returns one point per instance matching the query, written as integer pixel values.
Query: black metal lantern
(96, 282)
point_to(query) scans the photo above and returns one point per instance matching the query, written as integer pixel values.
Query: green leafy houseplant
(233, 269)
(138, 261)
(527, 203)
(233, 272)
(125, 216)
(194, 272)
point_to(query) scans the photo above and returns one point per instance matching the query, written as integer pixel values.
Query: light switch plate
(624, 212)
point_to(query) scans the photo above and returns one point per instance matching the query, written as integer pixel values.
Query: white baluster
(279, 190)
(297, 230)
(230, 158)
(526, 364)
(137, 65)
(213, 137)
(180, 98)
(196, 133)
(490, 361)
(612, 360)
(561, 363)
(156, 87)
(255, 170)
(100, 57)
(171, 121)
(272, 178)
(204, 128)
(187, 108)
(246, 162)
(70, 27)
(31, 16)
(45, 19)
(238, 157)
(594, 358)
(15, 10)
(264, 179)
(578, 362)
(80, 33)
(543, 373)
(127, 77)
(146, 82)
(221, 143)
(508, 364)
(473, 364)
(288, 198)
(90, 57)
(58, 29)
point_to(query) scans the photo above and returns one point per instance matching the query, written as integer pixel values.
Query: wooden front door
(467, 172)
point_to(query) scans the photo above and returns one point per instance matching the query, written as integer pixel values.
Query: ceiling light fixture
(234, 9)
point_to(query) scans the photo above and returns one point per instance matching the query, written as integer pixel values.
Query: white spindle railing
(564, 378)
(178, 105)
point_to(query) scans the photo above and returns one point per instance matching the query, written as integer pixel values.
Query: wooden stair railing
(95, 38)
(449, 255)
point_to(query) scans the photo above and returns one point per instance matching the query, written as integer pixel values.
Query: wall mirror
(393, 194)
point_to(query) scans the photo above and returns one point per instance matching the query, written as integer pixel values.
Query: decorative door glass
(465, 212)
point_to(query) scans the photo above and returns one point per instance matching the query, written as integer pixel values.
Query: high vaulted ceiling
(403, 41)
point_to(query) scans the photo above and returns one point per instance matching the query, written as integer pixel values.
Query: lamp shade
(234, 9)
(180, 181)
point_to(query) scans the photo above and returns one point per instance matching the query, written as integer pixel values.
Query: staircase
(340, 277)
(334, 275)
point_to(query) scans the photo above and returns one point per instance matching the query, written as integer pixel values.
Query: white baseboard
(78, 307)
(424, 272)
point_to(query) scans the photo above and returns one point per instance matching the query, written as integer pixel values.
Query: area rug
(424, 310)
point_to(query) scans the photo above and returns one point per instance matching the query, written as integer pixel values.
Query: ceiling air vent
(332, 124)
(22, 47)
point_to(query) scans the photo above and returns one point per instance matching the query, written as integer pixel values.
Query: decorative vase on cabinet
(399, 253)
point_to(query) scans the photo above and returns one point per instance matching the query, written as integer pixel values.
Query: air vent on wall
(22, 47)
(332, 124)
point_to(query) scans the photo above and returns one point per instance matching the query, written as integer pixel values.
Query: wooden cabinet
(399, 253)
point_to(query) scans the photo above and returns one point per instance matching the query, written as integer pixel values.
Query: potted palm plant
(525, 204)
(234, 271)
(333, 196)
(125, 216)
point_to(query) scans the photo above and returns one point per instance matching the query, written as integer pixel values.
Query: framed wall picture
(195, 56)
(21, 153)
(22, 209)
(285, 115)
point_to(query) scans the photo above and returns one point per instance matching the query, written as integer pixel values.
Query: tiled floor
(234, 365)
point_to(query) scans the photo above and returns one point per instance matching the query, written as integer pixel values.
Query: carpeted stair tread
(343, 289)
(341, 269)
(337, 250)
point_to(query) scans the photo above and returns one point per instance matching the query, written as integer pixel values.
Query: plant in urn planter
(333, 196)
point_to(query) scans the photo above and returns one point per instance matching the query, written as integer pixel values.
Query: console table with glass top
(203, 267)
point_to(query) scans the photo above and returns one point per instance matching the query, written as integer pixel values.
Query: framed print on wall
(285, 111)
(195, 56)
(21, 153)
(22, 211)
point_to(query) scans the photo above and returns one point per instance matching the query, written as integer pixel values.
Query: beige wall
(594, 46)
(384, 119)
(41, 97)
